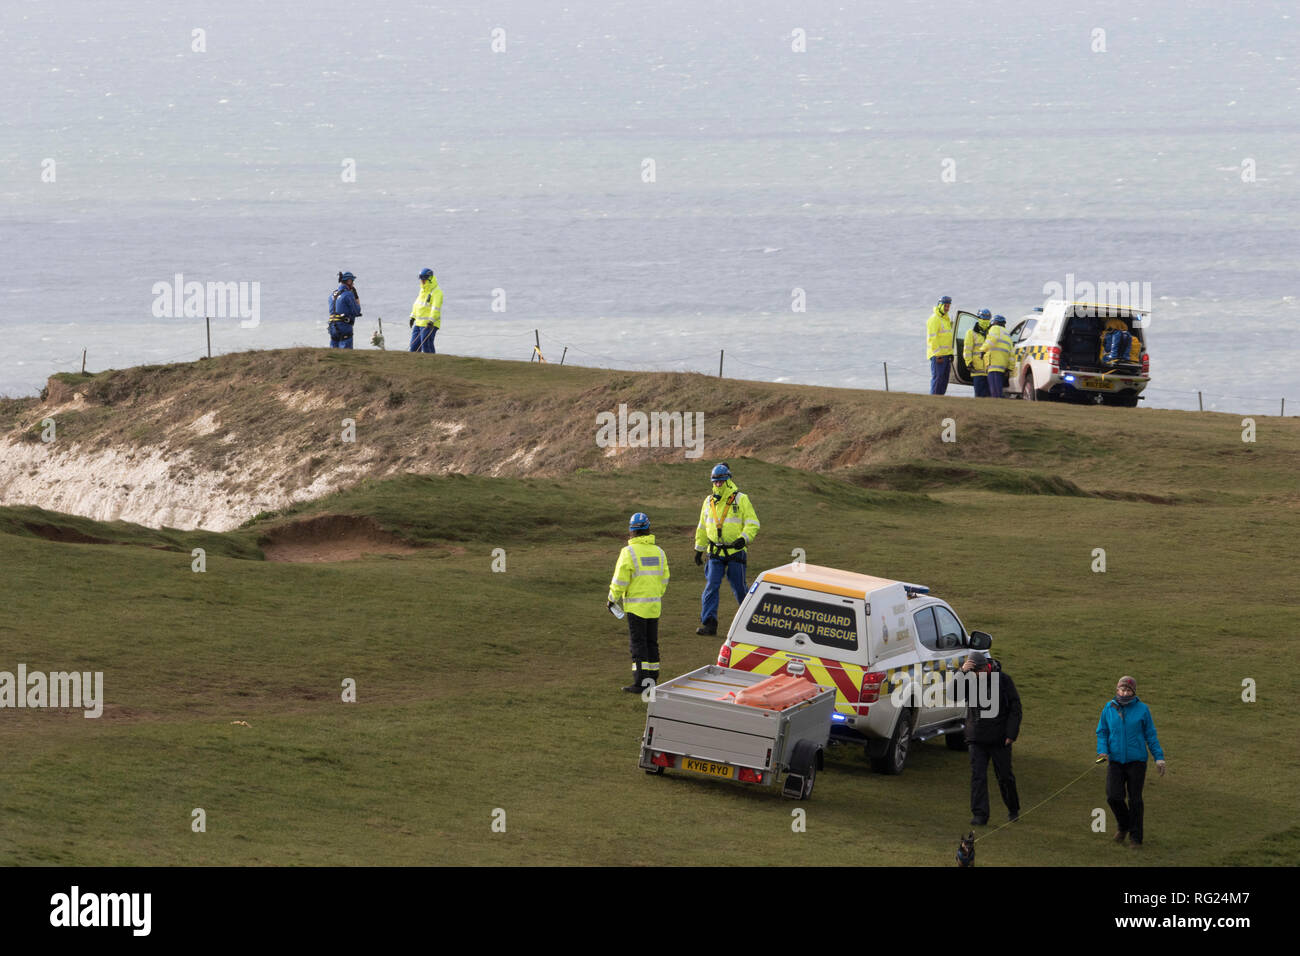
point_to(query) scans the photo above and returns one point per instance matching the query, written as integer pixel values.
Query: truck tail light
(750, 776)
(1055, 355)
(1146, 365)
(663, 760)
(724, 654)
(871, 684)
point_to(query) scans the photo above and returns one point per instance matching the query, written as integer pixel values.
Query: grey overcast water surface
(775, 170)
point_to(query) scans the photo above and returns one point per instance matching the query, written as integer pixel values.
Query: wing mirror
(980, 640)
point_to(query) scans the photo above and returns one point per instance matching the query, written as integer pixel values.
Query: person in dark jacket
(989, 736)
(344, 310)
(1124, 734)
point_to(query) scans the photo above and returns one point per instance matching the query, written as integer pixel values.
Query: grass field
(480, 690)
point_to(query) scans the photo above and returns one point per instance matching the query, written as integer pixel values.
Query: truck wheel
(1027, 390)
(956, 741)
(899, 744)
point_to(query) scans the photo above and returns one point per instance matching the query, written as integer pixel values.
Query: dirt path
(331, 538)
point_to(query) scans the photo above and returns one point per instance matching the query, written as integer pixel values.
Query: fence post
(886, 364)
(537, 346)
(1200, 406)
(1282, 414)
(208, 322)
(564, 353)
(721, 352)
(83, 364)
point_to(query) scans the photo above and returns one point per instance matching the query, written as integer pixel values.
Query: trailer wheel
(808, 781)
(899, 744)
(803, 764)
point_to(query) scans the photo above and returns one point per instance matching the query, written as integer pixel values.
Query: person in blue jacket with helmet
(344, 310)
(1124, 734)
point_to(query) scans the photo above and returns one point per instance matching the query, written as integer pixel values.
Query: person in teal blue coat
(1125, 733)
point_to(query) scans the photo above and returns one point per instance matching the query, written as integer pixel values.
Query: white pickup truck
(867, 637)
(1060, 354)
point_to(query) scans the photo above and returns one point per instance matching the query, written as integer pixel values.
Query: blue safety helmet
(639, 522)
(946, 300)
(985, 314)
(425, 274)
(345, 276)
(999, 320)
(720, 473)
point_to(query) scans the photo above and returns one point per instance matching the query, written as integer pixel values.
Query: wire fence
(533, 346)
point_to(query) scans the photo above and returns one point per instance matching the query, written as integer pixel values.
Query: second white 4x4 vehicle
(865, 636)
(1061, 354)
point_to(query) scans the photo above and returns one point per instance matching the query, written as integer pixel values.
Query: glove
(1160, 765)
(739, 543)
(699, 557)
(410, 323)
(609, 605)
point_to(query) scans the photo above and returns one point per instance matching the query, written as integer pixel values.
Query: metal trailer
(694, 724)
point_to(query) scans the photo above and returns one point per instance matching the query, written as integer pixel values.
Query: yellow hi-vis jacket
(724, 517)
(999, 352)
(427, 307)
(938, 334)
(640, 577)
(975, 360)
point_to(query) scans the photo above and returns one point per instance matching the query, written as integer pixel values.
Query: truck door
(1020, 334)
(958, 373)
(941, 649)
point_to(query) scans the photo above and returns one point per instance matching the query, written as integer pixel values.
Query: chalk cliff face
(154, 462)
(211, 444)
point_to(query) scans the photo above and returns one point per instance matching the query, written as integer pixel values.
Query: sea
(781, 188)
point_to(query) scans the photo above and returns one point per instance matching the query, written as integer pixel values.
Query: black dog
(966, 850)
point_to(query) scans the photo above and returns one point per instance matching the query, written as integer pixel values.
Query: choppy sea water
(884, 156)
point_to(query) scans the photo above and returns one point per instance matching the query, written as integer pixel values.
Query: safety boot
(709, 628)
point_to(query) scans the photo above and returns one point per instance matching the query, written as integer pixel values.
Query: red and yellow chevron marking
(845, 678)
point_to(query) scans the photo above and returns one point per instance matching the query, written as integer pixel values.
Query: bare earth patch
(331, 538)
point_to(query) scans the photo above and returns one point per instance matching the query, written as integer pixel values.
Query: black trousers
(1130, 776)
(643, 642)
(1000, 754)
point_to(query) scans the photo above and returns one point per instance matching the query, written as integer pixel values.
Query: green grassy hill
(480, 690)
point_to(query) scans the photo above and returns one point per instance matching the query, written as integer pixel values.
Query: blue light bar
(1069, 378)
(916, 589)
(838, 718)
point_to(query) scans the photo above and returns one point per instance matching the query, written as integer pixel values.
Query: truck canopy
(840, 606)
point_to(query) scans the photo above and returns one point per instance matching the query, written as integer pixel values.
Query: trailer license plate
(712, 769)
(1102, 383)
